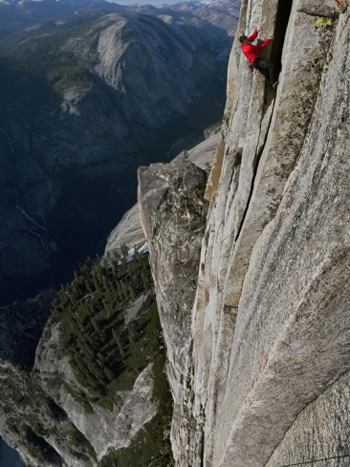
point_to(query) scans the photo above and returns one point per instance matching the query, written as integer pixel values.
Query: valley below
(85, 99)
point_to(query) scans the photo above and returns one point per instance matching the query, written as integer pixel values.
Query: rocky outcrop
(171, 205)
(172, 212)
(32, 423)
(266, 381)
(129, 230)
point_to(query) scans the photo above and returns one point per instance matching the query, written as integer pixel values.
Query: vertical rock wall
(276, 264)
(269, 353)
(172, 212)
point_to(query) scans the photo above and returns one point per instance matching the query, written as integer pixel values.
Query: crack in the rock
(256, 162)
(315, 15)
(302, 410)
(258, 155)
(346, 456)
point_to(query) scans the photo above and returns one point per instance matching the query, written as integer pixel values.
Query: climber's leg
(266, 69)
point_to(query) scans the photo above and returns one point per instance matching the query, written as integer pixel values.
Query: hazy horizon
(145, 2)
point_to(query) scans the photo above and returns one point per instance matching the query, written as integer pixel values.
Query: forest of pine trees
(91, 312)
(108, 352)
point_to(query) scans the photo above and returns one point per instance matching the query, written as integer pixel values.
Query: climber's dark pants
(266, 69)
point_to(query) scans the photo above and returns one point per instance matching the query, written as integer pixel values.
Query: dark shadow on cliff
(282, 19)
(21, 327)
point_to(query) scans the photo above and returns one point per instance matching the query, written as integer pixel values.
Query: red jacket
(252, 51)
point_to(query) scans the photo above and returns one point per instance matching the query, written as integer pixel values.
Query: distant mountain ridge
(84, 100)
(19, 14)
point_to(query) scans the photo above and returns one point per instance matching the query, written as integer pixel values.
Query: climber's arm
(265, 43)
(253, 36)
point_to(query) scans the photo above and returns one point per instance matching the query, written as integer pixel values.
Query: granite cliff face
(262, 375)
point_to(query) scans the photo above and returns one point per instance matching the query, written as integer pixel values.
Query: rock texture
(129, 230)
(171, 198)
(172, 213)
(328, 439)
(21, 327)
(266, 380)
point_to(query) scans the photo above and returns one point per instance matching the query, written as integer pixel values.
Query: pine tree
(97, 326)
(124, 250)
(109, 373)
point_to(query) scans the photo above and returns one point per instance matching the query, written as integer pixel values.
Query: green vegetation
(104, 352)
(50, 54)
(107, 354)
(151, 446)
(324, 22)
(34, 417)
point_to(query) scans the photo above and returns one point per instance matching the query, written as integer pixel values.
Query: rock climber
(252, 53)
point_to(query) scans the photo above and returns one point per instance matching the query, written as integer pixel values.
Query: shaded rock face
(21, 327)
(112, 93)
(32, 423)
(267, 379)
(127, 231)
(171, 198)
(172, 212)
